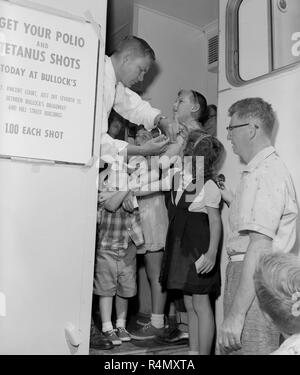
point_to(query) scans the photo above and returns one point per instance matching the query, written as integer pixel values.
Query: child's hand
(104, 195)
(128, 203)
(205, 263)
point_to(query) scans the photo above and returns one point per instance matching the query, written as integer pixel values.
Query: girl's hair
(202, 114)
(200, 143)
(277, 286)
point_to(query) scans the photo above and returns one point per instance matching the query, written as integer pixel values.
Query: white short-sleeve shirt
(265, 202)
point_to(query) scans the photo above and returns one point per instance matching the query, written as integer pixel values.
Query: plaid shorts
(115, 272)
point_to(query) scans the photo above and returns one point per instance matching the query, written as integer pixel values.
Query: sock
(172, 321)
(107, 326)
(121, 323)
(193, 352)
(157, 320)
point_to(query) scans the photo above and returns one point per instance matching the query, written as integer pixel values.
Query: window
(263, 36)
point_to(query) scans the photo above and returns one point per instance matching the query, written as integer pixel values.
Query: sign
(48, 81)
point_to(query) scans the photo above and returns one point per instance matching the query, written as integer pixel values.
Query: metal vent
(213, 49)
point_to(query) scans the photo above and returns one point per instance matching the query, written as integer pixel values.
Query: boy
(115, 271)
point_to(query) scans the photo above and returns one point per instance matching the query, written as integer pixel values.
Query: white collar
(110, 71)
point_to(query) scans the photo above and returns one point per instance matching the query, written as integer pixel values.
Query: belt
(236, 257)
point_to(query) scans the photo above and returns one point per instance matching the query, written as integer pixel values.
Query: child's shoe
(112, 336)
(123, 334)
(146, 332)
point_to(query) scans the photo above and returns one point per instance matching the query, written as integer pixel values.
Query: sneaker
(142, 319)
(147, 332)
(112, 336)
(123, 334)
(142, 322)
(173, 335)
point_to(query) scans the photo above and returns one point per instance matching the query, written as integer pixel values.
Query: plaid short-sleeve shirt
(117, 229)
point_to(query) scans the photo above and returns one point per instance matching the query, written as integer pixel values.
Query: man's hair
(137, 46)
(277, 286)
(255, 108)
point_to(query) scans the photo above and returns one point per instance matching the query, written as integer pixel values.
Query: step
(147, 347)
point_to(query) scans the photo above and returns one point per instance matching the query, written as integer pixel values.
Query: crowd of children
(179, 240)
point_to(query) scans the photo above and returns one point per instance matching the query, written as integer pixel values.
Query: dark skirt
(187, 239)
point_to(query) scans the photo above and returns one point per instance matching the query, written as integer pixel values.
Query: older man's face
(239, 136)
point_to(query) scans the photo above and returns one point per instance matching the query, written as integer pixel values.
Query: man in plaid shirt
(119, 235)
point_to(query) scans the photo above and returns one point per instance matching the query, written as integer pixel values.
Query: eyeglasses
(231, 127)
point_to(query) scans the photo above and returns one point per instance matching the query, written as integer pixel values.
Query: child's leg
(105, 305)
(192, 324)
(121, 311)
(206, 322)
(107, 327)
(172, 315)
(153, 262)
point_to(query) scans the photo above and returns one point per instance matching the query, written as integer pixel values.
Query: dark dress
(187, 239)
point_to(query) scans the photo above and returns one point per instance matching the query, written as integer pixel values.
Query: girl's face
(183, 106)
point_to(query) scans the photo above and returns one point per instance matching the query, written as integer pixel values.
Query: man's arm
(155, 146)
(229, 337)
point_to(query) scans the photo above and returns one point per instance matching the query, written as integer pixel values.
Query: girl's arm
(226, 193)
(207, 261)
(114, 202)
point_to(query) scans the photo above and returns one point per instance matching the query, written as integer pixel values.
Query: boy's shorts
(115, 272)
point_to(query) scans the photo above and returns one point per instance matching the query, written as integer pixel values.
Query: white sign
(48, 80)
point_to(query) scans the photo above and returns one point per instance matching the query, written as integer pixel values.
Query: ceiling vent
(212, 48)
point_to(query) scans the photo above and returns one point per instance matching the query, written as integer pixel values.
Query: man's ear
(125, 58)
(253, 129)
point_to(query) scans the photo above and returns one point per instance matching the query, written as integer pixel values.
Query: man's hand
(229, 337)
(155, 146)
(226, 193)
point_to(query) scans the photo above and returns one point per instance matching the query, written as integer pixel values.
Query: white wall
(119, 22)
(47, 240)
(281, 91)
(180, 50)
(196, 12)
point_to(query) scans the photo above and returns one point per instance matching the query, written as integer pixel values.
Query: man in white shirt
(262, 219)
(127, 66)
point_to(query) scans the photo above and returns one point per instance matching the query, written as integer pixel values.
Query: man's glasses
(231, 127)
